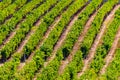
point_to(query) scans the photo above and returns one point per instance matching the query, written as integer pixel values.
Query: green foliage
(107, 40)
(5, 3)
(32, 11)
(47, 20)
(113, 70)
(73, 68)
(25, 27)
(11, 9)
(9, 68)
(12, 22)
(96, 24)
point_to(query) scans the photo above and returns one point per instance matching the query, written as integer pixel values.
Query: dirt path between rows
(110, 56)
(11, 35)
(91, 54)
(77, 44)
(60, 40)
(42, 41)
(50, 28)
(24, 41)
(20, 48)
(63, 37)
(22, 44)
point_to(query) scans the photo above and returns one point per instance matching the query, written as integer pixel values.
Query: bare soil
(91, 54)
